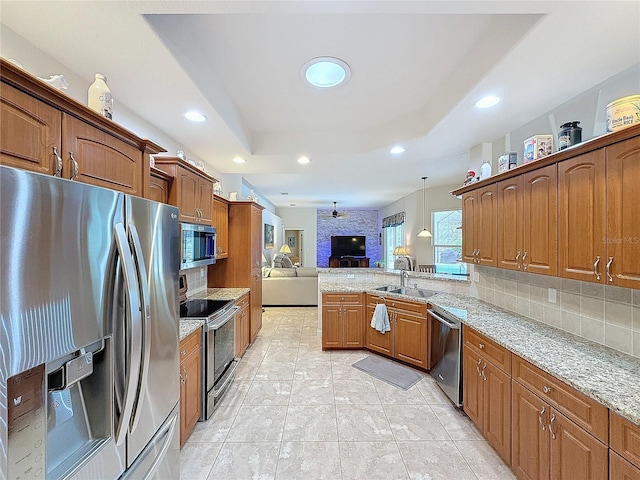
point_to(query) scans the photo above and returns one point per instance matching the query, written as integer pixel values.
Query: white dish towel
(380, 319)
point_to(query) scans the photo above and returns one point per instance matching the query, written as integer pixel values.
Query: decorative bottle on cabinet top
(100, 98)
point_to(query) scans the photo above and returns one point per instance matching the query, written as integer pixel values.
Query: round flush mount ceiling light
(487, 101)
(397, 150)
(238, 160)
(195, 116)
(326, 72)
(303, 160)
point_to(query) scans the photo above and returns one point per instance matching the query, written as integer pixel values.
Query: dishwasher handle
(448, 323)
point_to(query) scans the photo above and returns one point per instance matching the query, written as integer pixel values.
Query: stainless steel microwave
(198, 245)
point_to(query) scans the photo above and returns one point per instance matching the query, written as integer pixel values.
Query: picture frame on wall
(291, 241)
(268, 236)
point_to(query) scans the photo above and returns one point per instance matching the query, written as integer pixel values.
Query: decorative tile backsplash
(196, 279)
(602, 313)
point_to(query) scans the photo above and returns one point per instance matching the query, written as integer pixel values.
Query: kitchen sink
(411, 292)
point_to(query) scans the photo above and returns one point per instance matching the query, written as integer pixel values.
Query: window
(393, 236)
(447, 242)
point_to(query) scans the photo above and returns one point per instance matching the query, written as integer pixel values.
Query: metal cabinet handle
(524, 263)
(481, 346)
(478, 256)
(183, 352)
(76, 168)
(546, 389)
(540, 420)
(484, 377)
(553, 419)
(58, 163)
(478, 367)
(609, 269)
(595, 267)
(518, 259)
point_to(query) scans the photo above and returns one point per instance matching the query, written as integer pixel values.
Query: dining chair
(427, 268)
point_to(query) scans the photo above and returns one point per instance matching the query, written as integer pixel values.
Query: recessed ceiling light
(487, 101)
(397, 150)
(326, 72)
(195, 116)
(303, 160)
(239, 160)
(292, 204)
(284, 193)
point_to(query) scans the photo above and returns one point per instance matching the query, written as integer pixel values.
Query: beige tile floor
(296, 412)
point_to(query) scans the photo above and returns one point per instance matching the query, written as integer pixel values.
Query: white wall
(437, 199)
(295, 218)
(278, 234)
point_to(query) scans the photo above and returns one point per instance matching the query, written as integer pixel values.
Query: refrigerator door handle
(134, 330)
(146, 318)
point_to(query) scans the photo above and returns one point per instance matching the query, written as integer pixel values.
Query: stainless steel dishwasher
(446, 354)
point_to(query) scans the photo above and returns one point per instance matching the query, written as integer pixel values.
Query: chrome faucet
(403, 276)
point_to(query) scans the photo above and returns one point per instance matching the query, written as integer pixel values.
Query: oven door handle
(453, 326)
(220, 322)
(229, 376)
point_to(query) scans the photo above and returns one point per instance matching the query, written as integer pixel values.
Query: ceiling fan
(335, 213)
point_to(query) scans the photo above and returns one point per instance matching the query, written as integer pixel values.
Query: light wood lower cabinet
(342, 320)
(620, 469)
(625, 440)
(408, 338)
(190, 383)
(487, 390)
(243, 326)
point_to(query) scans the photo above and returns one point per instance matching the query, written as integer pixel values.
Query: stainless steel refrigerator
(88, 332)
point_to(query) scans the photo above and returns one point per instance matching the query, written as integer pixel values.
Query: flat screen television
(348, 246)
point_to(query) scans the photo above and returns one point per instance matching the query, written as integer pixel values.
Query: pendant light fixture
(424, 233)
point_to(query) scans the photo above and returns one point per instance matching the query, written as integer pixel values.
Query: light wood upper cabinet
(221, 224)
(30, 137)
(623, 213)
(191, 190)
(95, 157)
(158, 186)
(582, 217)
(479, 226)
(527, 222)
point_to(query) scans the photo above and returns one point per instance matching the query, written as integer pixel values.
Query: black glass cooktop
(201, 308)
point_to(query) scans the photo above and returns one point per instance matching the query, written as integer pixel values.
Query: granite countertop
(602, 373)
(188, 325)
(389, 271)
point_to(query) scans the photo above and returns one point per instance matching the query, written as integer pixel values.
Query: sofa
(290, 286)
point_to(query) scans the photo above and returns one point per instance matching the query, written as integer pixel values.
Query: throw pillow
(286, 262)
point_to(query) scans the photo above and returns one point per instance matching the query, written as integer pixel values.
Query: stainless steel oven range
(218, 360)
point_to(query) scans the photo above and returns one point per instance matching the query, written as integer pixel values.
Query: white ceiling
(417, 67)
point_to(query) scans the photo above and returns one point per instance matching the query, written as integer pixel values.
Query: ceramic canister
(623, 113)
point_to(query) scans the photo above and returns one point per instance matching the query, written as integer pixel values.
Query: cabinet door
(529, 435)
(582, 217)
(205, 200)
(376, 341)
(352, 326)
(468, 226)
(411, 338)
(256, 302)
(510, 223)
(486, 229)
(620, 469)
(30, 134)
(540, 249)
(190, 385)
(575, 453)
(472, 388)
(97, 158)
(187, 201)
(158, 189)
(331, 326)
(221, 224)
(623, 213)
(496, 411)
(256, 237)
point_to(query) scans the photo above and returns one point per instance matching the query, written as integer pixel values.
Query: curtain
(393, 220)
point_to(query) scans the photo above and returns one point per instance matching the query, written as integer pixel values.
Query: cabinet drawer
(490, 350)
(589, 414)
(374, 299)
(625, 438)
(620, 469)
(342, 298)
(407, 306)
(243, 301)
(190, 344)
